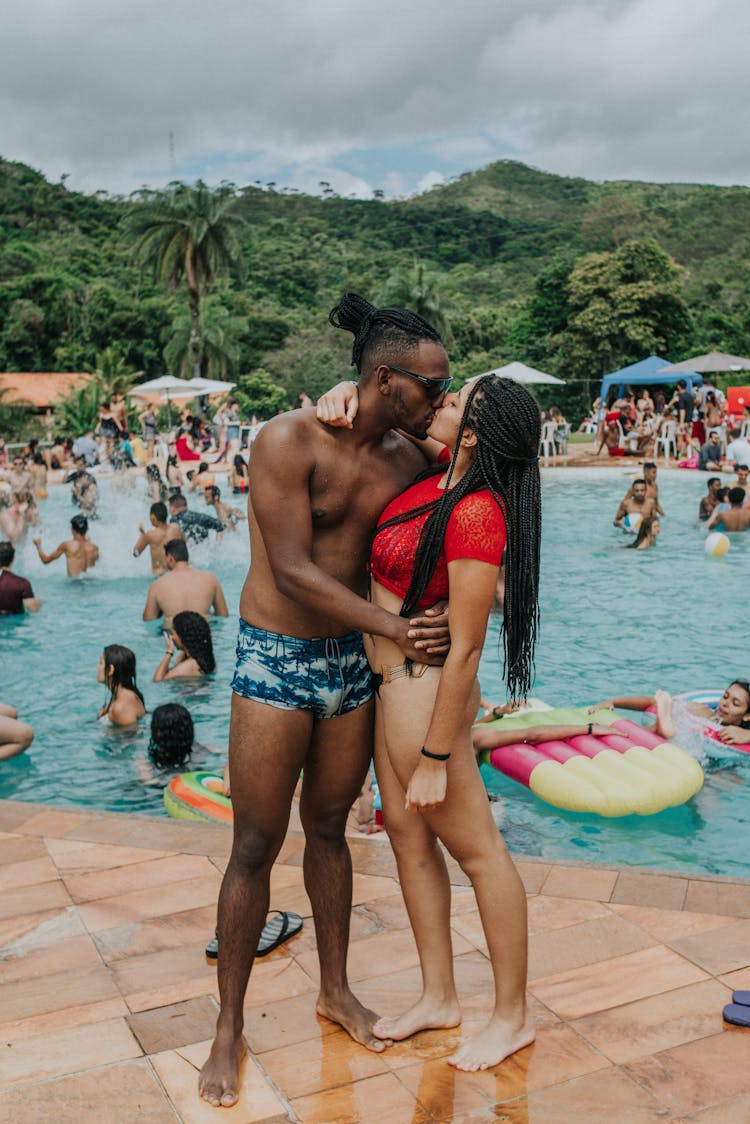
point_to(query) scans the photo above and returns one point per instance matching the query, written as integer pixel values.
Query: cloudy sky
(396, 95)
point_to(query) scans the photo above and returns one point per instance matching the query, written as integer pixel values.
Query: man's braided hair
(505, 419)
(379, 333)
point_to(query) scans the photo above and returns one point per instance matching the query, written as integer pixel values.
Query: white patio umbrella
(520, 373)
(711, 363)
(167, 387)
(196, 388)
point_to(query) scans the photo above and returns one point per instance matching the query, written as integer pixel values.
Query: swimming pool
(613, 621)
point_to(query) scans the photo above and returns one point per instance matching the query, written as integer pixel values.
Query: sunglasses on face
(434, 387)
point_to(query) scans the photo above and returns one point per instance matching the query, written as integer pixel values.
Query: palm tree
(220, 335)
(420, 289)
(191, 235)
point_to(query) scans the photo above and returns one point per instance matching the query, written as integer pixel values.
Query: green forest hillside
(511, 262)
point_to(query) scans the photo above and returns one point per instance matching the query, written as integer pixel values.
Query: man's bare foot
(356, 1019)
(424, 1015)
(664, 724)
(219, 1081)
(497, 1041)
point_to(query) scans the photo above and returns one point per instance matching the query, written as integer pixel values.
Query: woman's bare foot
(219, 1081)
(425, 1015)
(664, 724)
(497, 1041)
(356, 1019)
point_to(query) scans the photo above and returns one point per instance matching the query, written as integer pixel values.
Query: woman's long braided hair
(194, 632)
(392, 331)
(505, 419)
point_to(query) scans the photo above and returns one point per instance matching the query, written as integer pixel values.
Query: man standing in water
(157, 538)
(302, 694)
(80, 553)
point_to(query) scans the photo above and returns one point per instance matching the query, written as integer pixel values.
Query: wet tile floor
(107, 1003)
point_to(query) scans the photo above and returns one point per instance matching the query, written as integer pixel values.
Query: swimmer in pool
(156, 539)
(732, 711)
(191, 635)
(80, 553)
(116, 670)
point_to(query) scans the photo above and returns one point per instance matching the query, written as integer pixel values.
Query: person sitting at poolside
(230, 516)
(736, 519)
(490, 737)
(80, 553)
(709, 458)
(195, 525)
(183, 588)
(732, 711)
(191, 634)
(116, 670)
(15, 736)
(711, 500)
(636, 503)
(647, 534)
(16, 594)
(738, 449)
(156, 539)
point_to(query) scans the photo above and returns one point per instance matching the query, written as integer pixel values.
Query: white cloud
(601, 88)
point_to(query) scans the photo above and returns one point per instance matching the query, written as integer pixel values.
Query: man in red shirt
(16, 594)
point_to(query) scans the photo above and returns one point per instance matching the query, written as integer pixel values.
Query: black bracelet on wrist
(591, 724)
(435, 756)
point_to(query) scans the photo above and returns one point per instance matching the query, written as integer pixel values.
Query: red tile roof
(39, 389)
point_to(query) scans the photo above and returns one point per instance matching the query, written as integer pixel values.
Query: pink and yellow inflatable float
(631, 771)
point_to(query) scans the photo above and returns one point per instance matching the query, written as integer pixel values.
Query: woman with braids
(116, 670)
(444, 537)
(191, 635)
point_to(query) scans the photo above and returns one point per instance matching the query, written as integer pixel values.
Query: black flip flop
(281, 926)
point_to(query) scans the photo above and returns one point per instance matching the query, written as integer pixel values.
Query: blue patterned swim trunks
(329, 676)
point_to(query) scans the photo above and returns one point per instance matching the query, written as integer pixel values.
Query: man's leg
(334, 771)
(267, 748)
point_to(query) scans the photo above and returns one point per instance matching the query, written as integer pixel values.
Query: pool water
(614, 621)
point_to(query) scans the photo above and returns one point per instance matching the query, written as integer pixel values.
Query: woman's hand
(339, 405)
(608, 704)
(734, 735)
(427, 786)
(168, 643)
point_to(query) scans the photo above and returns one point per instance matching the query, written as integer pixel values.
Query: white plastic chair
(667, 439)
(547, 442)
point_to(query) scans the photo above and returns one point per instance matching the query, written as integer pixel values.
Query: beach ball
(633, 522)
(716, 544)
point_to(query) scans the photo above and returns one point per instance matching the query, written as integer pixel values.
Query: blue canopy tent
(648, 372)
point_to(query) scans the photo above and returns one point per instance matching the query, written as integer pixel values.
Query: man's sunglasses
(434, 387)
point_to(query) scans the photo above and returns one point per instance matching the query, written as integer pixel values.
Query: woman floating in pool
(116, 670)
(443, 537)
(732, 711)
(191, 634)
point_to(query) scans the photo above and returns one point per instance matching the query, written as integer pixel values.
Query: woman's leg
(427, 894)
(465, 825)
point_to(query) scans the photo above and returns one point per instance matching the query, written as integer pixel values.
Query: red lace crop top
(476, 529)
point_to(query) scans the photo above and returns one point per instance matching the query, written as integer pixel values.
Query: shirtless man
(302, 688)
(710, 501)
(736, 519)
(635, 502)
(80, 553)
(156, 539)
(652, 488)
(229, 516)
(85, 490)
(183, 589)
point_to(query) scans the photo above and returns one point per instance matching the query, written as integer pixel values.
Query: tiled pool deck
(107, 1003)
